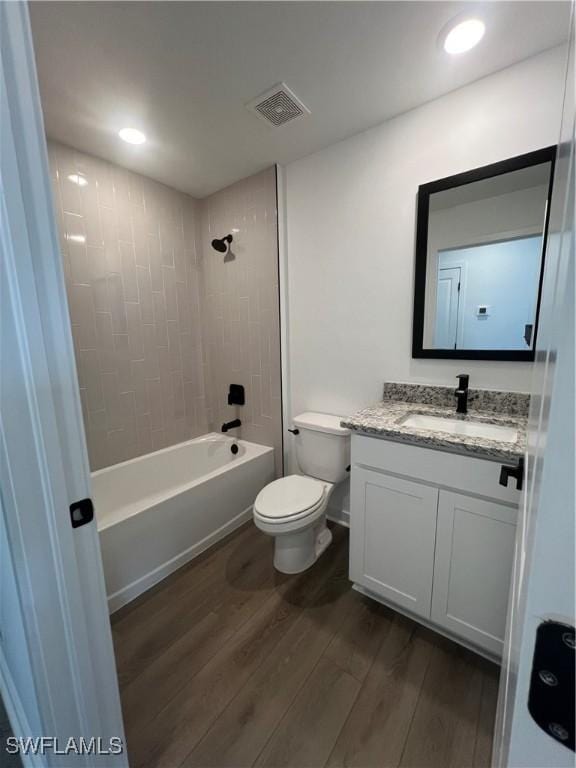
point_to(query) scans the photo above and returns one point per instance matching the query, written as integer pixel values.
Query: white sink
(457, 427)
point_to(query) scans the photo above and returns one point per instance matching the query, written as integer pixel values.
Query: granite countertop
(400, 400)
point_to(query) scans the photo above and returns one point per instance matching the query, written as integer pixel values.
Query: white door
(60, 682)
(544, 575)
(474, 554)
(447, 308)
(392, 533)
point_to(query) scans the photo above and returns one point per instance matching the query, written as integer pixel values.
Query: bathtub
(156, 512)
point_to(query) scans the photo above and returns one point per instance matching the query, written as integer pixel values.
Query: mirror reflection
(483, 257)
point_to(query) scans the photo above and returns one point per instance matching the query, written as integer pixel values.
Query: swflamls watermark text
(43, 745)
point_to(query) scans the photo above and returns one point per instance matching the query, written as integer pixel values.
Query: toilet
(293, 508)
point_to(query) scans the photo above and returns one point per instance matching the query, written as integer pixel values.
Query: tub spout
(231, 425)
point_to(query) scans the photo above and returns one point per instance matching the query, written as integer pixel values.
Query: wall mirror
(480, 244)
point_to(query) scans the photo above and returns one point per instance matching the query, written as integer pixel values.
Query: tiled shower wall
(240, 305)
(131, 257)
(161, 322)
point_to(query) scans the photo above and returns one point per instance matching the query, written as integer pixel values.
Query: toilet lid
(288, 496)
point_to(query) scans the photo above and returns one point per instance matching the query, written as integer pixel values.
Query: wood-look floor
(7, 760)
(228, 663)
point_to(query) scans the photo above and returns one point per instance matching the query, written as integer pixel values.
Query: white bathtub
(158, 511)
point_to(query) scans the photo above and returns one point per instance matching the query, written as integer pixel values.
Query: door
(544, 573)
(60, 682)
(473, 563)
(392, 533)
(447, 308)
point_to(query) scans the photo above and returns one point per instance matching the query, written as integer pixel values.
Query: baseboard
(339, 516)
(16, 714)
(125, 595)
(430, 624)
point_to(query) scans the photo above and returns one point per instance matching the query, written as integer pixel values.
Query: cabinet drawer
(392, 534)
(454, 471)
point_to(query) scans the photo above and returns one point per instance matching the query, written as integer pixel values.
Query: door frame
(58, 569)
(543, 575)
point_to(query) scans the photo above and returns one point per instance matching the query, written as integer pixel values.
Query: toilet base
(296, 552)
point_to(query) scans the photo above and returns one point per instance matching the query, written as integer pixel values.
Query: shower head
(223, 244)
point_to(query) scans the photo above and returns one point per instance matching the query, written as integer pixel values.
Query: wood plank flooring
(7, 760)
(229, 664)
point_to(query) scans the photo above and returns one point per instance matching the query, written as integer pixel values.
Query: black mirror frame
(548, 154)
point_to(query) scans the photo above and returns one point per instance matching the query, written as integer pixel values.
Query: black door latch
(551, 694)
(81, 512)
(517, 473)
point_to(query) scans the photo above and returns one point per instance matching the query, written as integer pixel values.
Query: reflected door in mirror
(447, 307)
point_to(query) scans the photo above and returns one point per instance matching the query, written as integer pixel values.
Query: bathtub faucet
(231, 425)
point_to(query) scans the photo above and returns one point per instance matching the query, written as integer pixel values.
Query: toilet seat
(289, 498)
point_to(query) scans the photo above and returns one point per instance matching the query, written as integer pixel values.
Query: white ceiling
(183, 71)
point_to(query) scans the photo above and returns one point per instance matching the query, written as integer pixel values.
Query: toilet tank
(322, 446)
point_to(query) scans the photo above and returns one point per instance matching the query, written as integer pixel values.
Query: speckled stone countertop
(507, 409)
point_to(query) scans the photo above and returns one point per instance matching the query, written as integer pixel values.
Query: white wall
(350, 235)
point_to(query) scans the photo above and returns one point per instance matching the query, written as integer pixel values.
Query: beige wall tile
(128, 271)
(162, 324)
(118, 297)
(145, 294)
(240, 309)
(155, 403)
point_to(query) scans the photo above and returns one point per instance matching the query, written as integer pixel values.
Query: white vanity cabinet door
(392, 533)
(472, 569)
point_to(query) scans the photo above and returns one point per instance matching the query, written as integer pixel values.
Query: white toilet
(293, 508)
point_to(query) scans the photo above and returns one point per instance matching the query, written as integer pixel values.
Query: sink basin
(457, 427)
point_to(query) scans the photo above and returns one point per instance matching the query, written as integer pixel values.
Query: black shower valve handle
(236, 394)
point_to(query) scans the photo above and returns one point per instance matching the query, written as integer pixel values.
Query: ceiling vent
(278, 106)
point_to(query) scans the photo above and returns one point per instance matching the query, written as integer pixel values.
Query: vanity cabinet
(426, 538)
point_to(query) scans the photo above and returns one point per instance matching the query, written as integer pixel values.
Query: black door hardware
(294, 431)
(236, 395)
(231, 425)
(517, 473)
(81, 512)
(551, 694)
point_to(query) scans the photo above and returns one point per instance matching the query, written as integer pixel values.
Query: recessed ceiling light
(464, 35)
(78, 178)
(132, 136)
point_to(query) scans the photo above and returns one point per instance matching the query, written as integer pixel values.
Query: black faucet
(231, 425)
(462, 393)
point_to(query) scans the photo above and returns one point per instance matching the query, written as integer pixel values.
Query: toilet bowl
(293, 508)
